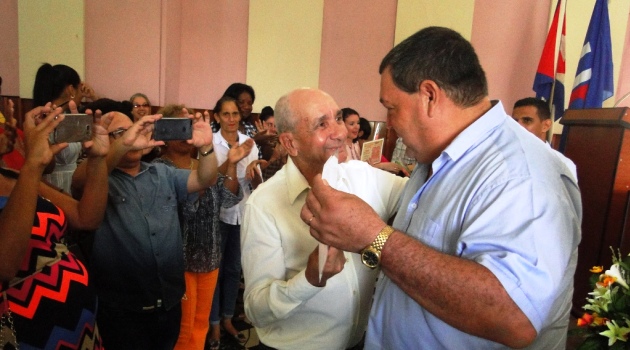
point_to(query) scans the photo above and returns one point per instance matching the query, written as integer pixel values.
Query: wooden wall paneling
(598, 141)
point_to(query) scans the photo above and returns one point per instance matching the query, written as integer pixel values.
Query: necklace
(230, 144)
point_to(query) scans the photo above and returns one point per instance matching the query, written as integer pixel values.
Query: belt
(157, 305)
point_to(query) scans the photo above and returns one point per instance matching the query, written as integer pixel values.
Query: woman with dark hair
(365, 130)
(351, 119)
(267, 121)
(228, 116)
(59, 84)
(199, 220)
(244, 96)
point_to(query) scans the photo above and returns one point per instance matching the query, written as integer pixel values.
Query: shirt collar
(296, 182)
(144, 166)
(476, 132)
(218, 139)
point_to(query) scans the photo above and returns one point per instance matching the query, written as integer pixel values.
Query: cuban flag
(557, 106)
(594, 76)
(549, 80)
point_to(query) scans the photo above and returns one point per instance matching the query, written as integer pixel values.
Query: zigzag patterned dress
(51, 303)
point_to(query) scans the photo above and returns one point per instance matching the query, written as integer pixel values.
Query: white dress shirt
(234, 215)
(287, 311)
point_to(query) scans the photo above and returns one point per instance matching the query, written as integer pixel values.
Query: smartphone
(73, 128)
(167, 129)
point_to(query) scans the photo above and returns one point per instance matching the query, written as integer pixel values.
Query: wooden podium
(598, 142)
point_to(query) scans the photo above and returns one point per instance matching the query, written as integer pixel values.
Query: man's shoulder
(269, 190)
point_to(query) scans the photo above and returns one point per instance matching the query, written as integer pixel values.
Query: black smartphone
(73, 128)
(167, 129)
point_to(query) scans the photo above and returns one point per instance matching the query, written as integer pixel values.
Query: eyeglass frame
(116, 134)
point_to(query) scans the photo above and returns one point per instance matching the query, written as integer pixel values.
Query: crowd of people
(466, 238)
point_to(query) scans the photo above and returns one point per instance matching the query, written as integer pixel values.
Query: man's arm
(469, 300)
(461, 292)
(206, 174)
(135, 138)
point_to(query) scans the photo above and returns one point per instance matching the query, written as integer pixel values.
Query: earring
(72, 97)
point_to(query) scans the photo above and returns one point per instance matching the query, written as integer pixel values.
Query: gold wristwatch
(371, 255)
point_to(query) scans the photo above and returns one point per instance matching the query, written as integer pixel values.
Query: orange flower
(597, 269)
(607, 280)
(599, 321)
(585, 320)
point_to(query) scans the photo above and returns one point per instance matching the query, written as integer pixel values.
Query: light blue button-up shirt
(500, 197)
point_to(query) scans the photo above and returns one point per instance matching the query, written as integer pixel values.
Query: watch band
(206, 153)
(381, 238)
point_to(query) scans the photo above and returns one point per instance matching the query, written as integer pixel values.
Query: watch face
(370, 258)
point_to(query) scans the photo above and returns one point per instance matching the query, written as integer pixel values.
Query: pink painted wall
(509, 34)
(171, 52)
(355, 39)
(122, 47)
(213, 49)
(623, 85)
(9, 48)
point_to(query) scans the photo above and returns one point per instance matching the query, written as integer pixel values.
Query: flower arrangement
(606, 322)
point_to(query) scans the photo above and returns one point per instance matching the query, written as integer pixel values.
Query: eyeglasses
(117, 133)
(144, 105)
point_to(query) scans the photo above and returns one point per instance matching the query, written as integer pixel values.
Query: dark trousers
(122, 329)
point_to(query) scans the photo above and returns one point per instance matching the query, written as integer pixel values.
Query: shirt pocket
(169, 204)
(425, 229)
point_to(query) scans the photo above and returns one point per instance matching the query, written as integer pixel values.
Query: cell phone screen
(73, 128)
(166, 129)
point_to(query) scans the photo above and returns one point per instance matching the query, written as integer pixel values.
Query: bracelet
(206, 153)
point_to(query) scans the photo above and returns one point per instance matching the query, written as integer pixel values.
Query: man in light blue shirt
(484, 245)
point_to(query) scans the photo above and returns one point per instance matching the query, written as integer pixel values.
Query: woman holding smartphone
(46, 301)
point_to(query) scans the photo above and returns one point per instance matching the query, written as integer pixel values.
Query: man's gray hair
(285, 120)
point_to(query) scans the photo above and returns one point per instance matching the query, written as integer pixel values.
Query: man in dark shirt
(137, 258)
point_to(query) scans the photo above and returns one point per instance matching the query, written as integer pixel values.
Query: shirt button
(153, 234)
(413, 205)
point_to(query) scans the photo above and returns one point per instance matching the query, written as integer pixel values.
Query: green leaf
(594, 343)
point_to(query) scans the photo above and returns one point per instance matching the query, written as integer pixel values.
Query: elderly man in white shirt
(284, 297)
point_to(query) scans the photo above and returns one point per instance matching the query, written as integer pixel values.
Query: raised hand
(38, 124)
(88, 92)
(7, 138)
(252, 169)
(235, 154)
(98, 146)
(202, 131)
(260, 126)
(137, 137)
(9, 110)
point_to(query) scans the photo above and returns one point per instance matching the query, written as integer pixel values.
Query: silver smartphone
(73, 128)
